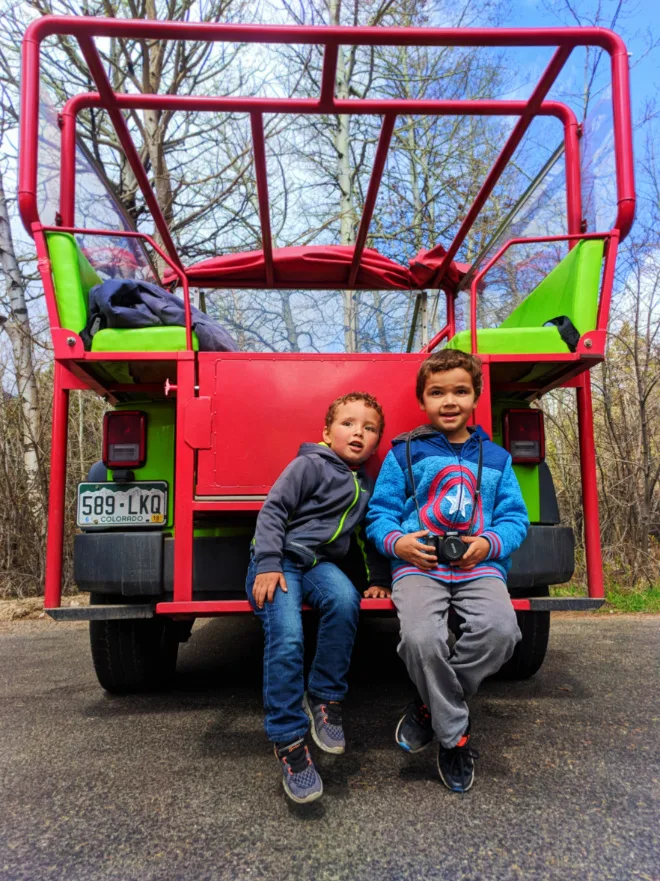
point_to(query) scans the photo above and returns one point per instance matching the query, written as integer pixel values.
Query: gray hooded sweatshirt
(311, 511)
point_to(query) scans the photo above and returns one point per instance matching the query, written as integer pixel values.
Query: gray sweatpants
(489, 634)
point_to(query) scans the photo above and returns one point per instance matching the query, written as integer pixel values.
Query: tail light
(524, 436)
(124, 439)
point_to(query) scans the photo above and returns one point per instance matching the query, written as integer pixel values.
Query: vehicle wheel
(530, 652)
(133, 655)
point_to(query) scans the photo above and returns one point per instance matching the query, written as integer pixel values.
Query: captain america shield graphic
(451, 501)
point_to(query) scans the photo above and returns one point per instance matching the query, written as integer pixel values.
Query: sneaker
(300, 779)
(456, 765)
(326, 724)
(414, 731)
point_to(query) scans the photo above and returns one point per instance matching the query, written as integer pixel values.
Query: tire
(133, 655)
(529, 654)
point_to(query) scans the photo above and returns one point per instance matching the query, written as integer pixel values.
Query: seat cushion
(512, 341)
(142, 339)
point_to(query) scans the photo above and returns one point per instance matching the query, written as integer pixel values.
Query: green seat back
(571, 289)
(73, 277)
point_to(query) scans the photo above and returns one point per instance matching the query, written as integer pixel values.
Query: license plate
(122, 504)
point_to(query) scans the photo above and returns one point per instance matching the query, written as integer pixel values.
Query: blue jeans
(326, 588)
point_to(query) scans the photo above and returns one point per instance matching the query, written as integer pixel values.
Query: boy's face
(354, 432)
(449, 402)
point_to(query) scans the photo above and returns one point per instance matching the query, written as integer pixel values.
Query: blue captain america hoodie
(446, 484)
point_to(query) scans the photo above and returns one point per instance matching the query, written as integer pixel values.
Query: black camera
(449, 547)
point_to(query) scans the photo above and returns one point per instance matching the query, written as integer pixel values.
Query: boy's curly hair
(449, 359)
(369, 401)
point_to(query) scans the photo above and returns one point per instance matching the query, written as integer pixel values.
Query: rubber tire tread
(132, 656)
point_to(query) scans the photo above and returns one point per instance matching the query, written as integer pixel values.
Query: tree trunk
(346, 212)
(17, 325)
(152, 70)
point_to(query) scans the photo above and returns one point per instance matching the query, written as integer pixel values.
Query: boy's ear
(421, 405)
(325, 434)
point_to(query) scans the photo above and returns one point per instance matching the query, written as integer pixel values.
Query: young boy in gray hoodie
(303, 530)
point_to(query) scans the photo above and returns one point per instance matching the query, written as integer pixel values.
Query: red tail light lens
(124, 439)
(524, 436)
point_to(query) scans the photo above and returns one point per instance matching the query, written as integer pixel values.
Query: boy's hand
(477, 552)
(414, 551)
(377, 593)
(265, 586)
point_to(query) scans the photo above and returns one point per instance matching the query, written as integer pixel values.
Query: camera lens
(454, 547)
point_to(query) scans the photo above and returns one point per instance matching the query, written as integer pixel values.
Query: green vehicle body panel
(160, 448)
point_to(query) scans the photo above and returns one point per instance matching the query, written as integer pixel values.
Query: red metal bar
(43, 264)
(56, 494)
(68, 168)
(329, 75)
(322, 35)
(184, 487)
(451, 313)
(623, 142)
(372, 194)
(28, 154)
(295, 106)
(97, 70)
(589, 487)
(257, 123)
(573, 176)
(483, 415)
(130, 234)
(536, 99)
(482, 272)
(85, 27)
(612, 246)
(211, 608)
(210, 504)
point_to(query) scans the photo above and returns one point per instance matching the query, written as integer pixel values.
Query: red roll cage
(71, 359)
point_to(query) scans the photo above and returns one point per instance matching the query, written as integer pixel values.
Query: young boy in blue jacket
(445, 478)
(303, 531)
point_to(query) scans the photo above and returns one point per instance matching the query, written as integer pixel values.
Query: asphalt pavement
(184, 786)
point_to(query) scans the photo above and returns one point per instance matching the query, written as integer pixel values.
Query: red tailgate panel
(264, 406)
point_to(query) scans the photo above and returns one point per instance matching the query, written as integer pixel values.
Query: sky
(639, 20)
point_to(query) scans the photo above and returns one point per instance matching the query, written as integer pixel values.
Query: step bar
(216, 608)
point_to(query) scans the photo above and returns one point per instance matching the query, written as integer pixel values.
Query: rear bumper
(212, 609)
(140, 564)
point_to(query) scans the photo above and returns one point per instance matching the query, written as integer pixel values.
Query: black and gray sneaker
(300, 778)
(414, 731)
(326, 724)
(456, 765)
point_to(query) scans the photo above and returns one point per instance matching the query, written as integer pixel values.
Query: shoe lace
(459, 758)
(296, 757)
(422, 715)
(332, 713)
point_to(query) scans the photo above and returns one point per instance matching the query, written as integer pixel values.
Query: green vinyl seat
(570, 290)
(73, 278)
(142, 339)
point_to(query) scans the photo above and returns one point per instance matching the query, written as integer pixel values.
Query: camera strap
(477, 491)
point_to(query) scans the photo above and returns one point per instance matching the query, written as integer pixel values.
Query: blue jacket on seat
(445, 486)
